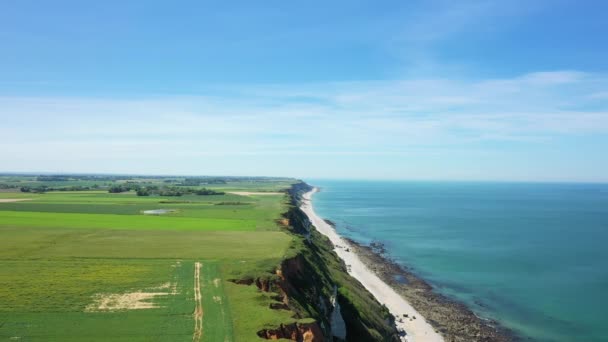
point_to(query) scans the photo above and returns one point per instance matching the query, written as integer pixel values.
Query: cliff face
(309, 280)
(305, 332)
(299, 289)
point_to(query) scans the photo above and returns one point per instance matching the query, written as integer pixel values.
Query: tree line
(161, 190)
(43, 188)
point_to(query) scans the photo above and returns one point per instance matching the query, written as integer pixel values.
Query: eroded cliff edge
(313, 283)
(452, 319)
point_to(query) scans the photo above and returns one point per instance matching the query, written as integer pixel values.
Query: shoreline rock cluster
(454, 320)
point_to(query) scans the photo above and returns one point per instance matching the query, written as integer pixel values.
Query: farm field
(90, 265)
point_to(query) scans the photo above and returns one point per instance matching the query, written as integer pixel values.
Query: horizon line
(362, 179)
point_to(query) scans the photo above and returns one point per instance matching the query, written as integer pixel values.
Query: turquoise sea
(533, 256)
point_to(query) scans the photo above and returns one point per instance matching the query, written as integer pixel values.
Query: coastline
(450, 319)
(454, 320)
(407, 319)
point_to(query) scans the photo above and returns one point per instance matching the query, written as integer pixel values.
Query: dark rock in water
(455, 321)
(378, 247)
(350, 228)
(330, 222)
(477, 302)
(400, 278)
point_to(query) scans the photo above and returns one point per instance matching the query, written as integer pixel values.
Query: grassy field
(232, 211)
(37, 243)
(54, 300)
(90, 266)
(109, 221)
(217, 319)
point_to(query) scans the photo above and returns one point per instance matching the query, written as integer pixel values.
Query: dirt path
(198, 304)
(10, 200)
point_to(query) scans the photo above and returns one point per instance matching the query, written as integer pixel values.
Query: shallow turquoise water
(533, 256)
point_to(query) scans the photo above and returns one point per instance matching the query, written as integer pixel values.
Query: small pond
(158, 211)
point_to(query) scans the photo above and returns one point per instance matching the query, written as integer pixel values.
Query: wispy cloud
(554, 78)
(420, 38)
(358, 120)
(396, 113)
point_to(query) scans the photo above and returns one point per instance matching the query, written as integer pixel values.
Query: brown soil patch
(172, 287)
(125, 301)
(136, 300)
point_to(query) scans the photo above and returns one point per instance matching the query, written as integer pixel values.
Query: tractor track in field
(198, 304)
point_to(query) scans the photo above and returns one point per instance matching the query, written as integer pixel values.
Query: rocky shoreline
(454, 320)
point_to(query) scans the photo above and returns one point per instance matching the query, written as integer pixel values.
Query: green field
(90, 266)
(230, 211)
(34, 219)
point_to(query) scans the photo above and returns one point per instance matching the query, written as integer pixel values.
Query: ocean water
(533, 256)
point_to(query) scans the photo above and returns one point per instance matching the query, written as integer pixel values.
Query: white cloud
(353, 119)
(554, 78)
(513, 105)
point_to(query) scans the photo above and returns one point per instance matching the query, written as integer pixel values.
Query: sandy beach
(417, 329)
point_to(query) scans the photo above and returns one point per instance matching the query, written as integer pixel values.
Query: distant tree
(191, 182)
(215, 181)
(142, 192)
(39, 189)
(196, 181)
(207, 192)
(115, 189)
(170, 192)
(53, 178)
(75, 188)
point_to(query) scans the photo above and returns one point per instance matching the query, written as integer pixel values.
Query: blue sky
(467, 90)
